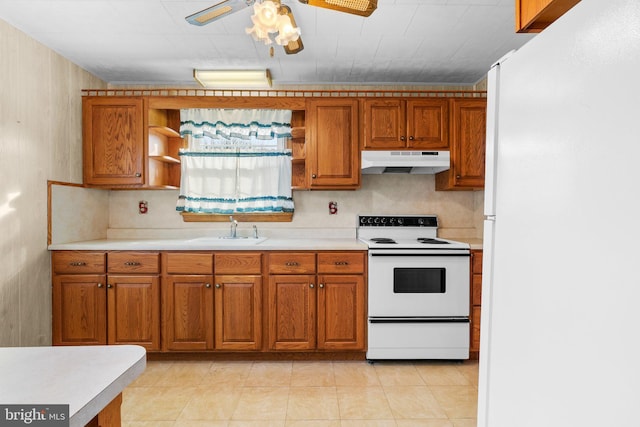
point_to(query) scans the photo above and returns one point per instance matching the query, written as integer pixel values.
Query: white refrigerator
(560, 324)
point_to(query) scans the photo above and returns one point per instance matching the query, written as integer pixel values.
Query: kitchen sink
(228, 241)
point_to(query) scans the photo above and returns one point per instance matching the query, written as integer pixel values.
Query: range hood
(404, 161)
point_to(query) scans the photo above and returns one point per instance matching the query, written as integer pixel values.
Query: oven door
(418, 283)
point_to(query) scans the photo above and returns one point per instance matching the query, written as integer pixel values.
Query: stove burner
(382, 240)
(430, 241)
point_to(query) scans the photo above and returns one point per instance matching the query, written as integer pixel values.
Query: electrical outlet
(143, 207)
(333, 208)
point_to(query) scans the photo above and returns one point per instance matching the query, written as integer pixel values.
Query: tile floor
(303, 394)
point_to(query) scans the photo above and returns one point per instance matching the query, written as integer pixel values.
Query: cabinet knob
(458, 177)
(138, 174)
(208, 285)
(218, 286)
(313, 175)
(100, 285)
(311, 285)
(321, 285)
(402, 138)
(109, 286)
(411, 138)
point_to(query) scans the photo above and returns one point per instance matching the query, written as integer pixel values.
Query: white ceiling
(404, 42)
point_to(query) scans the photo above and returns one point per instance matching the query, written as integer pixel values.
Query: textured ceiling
(404, 42)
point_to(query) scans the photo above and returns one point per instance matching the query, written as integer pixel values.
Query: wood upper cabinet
(332, 156)
(468, 142)
(406, 124)
(114, 133)
(533, 16)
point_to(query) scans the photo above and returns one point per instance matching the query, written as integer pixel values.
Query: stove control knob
(420, 221)
(370, 220)
(377, 220)
(384, 220)
(400, 221)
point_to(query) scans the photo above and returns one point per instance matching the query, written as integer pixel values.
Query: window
(236, 161)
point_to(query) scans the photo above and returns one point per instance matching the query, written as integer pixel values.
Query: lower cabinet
(317, 311)
(476, 301)
(111, 308)
(211, 301)
(206, 312)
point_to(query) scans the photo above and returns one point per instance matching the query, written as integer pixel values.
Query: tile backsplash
(459, 212)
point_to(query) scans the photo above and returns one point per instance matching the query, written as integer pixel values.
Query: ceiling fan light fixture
(272, 17)
(233, 79)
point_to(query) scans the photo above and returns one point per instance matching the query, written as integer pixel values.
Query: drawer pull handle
(341, 263)
(131, 263)
(77, 264)
(292, 264)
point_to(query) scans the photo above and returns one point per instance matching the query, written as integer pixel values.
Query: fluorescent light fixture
(233, 79)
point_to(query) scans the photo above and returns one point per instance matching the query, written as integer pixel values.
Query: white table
(90, 379)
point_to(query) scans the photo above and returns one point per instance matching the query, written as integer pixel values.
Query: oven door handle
(418, 320)
(419, 254)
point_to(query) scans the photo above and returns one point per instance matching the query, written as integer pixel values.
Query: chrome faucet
(255, 231)
(234, 227)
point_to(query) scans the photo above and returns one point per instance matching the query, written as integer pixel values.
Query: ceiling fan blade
(294, 46)
(356, 7)
(218, 11)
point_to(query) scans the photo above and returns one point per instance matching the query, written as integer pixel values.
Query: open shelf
(164, 147)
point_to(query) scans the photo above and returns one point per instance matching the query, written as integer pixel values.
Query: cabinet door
(384, 124)
(134, 311)
(79, 310)
(113, 141)
(468, 135)
(333, 159)
(428, 124)
(341, 312)
(238, 312)
(468, 147)
(292, 312)
(188, 312)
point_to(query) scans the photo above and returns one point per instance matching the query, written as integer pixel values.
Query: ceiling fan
(271, 16)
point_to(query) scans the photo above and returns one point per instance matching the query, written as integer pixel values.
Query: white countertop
(86, 378)
(213, 243)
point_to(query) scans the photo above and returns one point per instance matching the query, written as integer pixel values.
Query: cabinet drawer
(71, 262)
(476, 263)
(188, 263)
(341, 262)
(238, 263)
(292, 263)
(133, 262)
